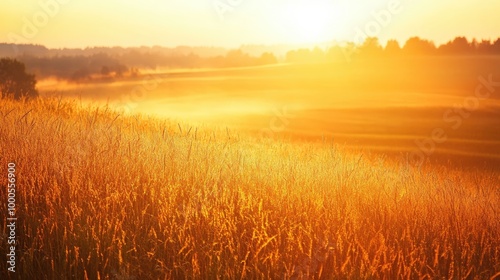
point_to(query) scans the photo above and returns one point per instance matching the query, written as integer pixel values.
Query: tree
(81, 74)
(484, 47)
(105, 71)
(418, 46)
(495, 48)
(267, 58)
(14, 81)
(237, 58)
(392, 47)
(459, 45)
(371, 47)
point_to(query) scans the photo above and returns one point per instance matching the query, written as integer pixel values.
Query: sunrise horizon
(69, 24)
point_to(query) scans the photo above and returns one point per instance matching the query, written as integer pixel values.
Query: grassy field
(107, 196)
(381, 106)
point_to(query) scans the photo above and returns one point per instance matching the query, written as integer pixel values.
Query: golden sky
(82, 23)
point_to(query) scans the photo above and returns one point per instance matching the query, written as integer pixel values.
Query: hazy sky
(81, 23)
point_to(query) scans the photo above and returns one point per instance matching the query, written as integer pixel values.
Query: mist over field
(387, 106)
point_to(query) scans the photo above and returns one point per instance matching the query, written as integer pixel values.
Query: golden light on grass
(105, 196)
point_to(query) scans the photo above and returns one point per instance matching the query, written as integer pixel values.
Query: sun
(309, 21)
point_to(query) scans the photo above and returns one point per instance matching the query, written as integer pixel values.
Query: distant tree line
(116, 62)
(15, 50)
(76, 68)
(418, 46)
(414, 46)
(107, 66)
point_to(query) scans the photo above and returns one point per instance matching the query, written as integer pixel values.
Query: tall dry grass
(105, 196)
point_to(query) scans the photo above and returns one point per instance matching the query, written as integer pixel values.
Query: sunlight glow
(176, 22)
(310, 22)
